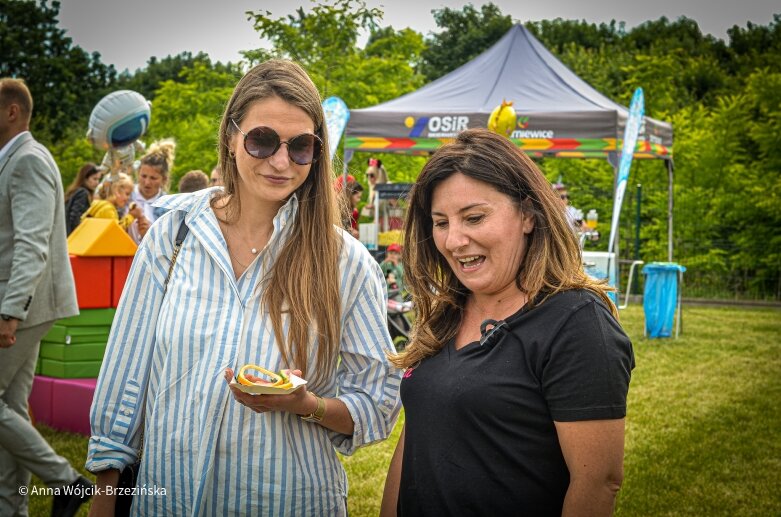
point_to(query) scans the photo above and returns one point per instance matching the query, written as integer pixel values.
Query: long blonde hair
(108, 189)
(304, 277)
(552, 262)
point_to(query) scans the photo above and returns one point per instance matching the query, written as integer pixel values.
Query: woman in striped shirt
(264, 276)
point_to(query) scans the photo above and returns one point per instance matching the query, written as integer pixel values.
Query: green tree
(190, 110)
(147, 80)
(319, 39)
(559, 34)
(465, 34)
(324, 41)
(65, 81)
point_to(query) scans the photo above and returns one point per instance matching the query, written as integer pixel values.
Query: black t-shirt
(480, 437)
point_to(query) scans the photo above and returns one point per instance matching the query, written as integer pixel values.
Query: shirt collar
(8, 145)
(197, 202)
(138, 197)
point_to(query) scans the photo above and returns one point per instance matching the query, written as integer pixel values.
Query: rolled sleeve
(367, 383)
(117, 413)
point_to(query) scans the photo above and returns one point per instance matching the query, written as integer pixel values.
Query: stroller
(399, 325)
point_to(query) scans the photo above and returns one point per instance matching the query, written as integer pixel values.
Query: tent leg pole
(616, 246)
(670, 196)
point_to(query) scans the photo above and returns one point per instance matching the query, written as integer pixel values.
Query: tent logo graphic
(418, 126)
(444, 126)
(523, 122)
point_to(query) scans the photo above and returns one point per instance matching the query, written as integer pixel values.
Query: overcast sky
(128, 33)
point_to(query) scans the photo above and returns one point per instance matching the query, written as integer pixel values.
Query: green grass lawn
(703, 424)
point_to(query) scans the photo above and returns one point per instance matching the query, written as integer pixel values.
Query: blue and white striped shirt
(166, 355)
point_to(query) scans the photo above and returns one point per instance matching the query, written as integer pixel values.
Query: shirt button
(126, 412)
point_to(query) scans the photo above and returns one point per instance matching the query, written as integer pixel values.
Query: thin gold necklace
(234, 257)
(252, 250)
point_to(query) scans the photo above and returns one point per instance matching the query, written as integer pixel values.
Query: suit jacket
(36, 281)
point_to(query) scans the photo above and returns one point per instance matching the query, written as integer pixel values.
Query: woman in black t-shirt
(517, 373)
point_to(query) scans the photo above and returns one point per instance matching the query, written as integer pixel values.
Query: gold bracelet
(318, 414)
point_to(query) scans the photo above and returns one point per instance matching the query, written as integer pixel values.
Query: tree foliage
(464, 35)
(324, 41)
(65, 81)
(189, 110)
(723, 98)
(147, 80)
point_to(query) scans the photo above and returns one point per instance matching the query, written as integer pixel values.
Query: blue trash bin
(660, 298)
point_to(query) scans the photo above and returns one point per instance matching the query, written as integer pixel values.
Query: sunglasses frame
(315, 156)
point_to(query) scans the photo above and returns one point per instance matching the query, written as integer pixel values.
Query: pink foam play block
(40, 400)
(71, 400)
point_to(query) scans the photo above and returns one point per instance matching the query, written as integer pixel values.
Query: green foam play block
(69, 369)
(73, 352)
(72, 335)
(89, 318)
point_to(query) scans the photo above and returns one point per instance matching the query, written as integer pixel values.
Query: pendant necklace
(253, 250)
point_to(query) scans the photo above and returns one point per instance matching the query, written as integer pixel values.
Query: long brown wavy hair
(303, 280)
(87, 170)
(552, 262)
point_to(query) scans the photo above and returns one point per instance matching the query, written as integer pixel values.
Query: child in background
(392, 268)
(349, 203)
(354, 193)
(113, 196)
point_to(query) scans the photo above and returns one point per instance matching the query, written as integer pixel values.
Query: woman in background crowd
(79, 195)
(153, 177)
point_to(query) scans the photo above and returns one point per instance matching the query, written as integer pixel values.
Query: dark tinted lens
(304, 149)
(261, 142)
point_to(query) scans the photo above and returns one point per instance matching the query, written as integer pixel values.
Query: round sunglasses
(262, 142)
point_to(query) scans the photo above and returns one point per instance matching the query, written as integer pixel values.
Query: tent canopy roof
(557, 111)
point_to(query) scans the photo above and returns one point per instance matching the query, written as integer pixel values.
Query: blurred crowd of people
(96, 192)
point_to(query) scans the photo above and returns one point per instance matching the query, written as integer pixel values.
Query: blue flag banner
(631, 132)
(336, 117)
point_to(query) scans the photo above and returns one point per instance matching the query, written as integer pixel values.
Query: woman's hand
(300, 402)
(136, 211)
(143, 225)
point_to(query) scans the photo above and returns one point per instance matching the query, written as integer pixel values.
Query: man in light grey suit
(36, 288)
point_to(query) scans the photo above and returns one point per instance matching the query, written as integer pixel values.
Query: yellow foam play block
(96, 237)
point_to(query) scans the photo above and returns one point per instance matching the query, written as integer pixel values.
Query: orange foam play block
(93, 281)
(119, 271)
(100, 238)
